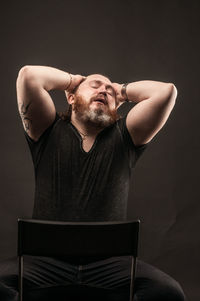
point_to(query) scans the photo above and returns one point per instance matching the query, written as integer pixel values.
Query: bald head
(98, 76)
(96, 81)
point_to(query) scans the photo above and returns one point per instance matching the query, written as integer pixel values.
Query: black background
(127, 41)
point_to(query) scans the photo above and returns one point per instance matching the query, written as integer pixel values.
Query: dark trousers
(105, 280)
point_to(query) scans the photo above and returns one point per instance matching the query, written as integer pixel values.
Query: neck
(85, 128)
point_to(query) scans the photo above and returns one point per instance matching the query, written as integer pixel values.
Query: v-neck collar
(81, 139)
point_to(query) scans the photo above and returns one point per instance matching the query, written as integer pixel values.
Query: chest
(82, 164)
(87, 143)
(69, 149)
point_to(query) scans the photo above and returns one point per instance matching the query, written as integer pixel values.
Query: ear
(70, 97)
(119, 103)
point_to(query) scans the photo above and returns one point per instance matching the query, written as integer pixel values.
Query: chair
(77, 239)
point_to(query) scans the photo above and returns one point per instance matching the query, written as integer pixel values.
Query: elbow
(26, 75)
(171, 93)
(25, 71)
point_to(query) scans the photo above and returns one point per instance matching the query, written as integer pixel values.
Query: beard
(99, 117)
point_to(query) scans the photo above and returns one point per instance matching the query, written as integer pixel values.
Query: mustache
(100, 97)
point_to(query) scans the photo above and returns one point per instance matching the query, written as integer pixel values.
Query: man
(83, 164)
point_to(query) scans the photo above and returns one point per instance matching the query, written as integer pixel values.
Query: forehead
(98, 77)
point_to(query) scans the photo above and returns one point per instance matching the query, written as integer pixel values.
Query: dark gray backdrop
(128, 41)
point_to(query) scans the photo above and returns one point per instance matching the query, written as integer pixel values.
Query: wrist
(69, 78)
(124, 92)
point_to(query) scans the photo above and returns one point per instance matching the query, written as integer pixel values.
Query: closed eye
(97, 83)
(110, 90)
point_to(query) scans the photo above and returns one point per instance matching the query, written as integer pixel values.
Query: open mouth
(101, 101)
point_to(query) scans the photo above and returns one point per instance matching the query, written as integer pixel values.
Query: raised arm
(35, 104)
(155, 101)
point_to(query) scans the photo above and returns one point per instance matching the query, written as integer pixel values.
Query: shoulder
(126, 136)
(46, 132)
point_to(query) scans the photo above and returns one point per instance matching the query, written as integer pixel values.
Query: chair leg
(133, 269)
(20, 279)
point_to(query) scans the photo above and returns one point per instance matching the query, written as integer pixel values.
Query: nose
(102, 90)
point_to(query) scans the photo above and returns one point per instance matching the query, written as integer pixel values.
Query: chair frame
(24, 240)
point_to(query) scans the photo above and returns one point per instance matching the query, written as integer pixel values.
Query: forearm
(48, 78)
(146, 89)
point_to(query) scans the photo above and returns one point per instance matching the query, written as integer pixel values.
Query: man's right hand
(75, 81)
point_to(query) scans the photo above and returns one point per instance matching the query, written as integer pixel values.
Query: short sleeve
(133, 151)
(37, 147)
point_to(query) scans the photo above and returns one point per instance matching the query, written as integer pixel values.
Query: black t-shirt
(74, 185)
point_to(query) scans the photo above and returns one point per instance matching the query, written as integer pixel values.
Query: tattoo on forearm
(23, 110)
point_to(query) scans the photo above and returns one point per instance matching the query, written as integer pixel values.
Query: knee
(160, 291)
(171, 292)
(7, 294)
(177, 293)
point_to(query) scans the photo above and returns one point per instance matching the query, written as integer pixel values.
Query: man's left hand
(120, 99)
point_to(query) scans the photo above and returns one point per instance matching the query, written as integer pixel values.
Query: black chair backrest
(48, 238)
